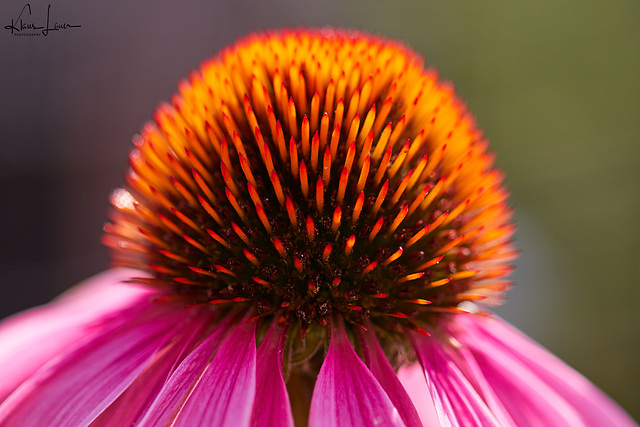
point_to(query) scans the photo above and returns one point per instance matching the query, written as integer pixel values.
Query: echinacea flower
(307, 234)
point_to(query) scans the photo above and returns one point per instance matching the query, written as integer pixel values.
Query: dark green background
(555, 85)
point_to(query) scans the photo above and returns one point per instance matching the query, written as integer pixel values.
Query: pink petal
(346, 392)
(469, 366)
(271, 406)
(457, 401)
(129, 406)
(65, 324)
(415, 384)
(224, 395)
(386, 376)
(171, 399)
(77, 388)
(533, 385)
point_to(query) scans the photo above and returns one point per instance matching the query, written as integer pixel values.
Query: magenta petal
(386, 376)
(127, 409)
(468, 364)
(225, 393)
(533, 384)
(457, 401)
(415, 384)
(174, 393)
(76, 389)
(271, 407)
(63, 325)
(346, 392)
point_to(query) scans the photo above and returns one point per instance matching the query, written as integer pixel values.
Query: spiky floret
(309, 174)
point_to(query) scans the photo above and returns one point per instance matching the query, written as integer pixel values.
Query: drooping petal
(65, 324)
(386, 376)
(415, 384)
(535, 386)
(127, 409)
(79, 386)
(468, 365)
(346, 392)
(225, 393)
(175, 392)
(457, 401)
(271, 407)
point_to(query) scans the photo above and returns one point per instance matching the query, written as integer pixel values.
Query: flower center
(308, 175)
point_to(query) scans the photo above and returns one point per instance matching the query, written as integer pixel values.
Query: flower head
(310, 175)
(313, 218)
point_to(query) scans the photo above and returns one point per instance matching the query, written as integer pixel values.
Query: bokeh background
(555, 84)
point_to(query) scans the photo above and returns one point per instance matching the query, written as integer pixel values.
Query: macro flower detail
(308, 235)
(310, 177)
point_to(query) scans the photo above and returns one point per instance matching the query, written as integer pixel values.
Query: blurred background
(554, 84)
